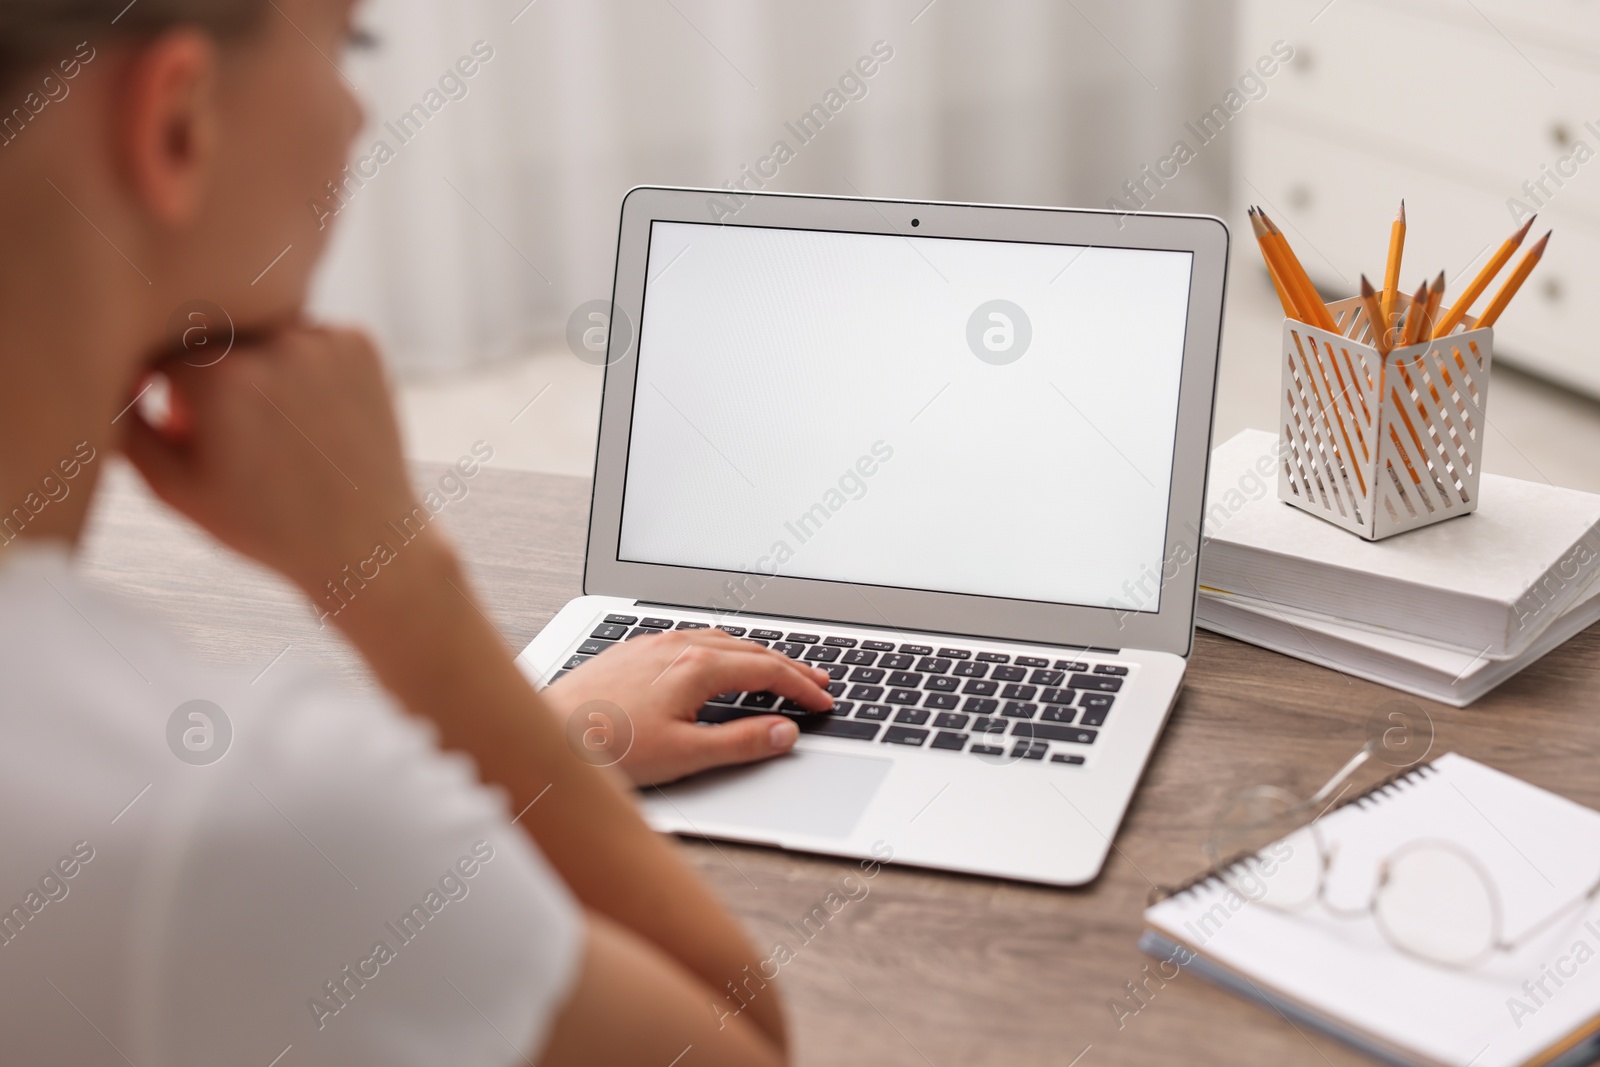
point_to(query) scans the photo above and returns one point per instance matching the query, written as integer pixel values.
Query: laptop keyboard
(945, 698)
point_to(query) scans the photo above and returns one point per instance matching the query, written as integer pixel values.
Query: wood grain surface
(930, 968)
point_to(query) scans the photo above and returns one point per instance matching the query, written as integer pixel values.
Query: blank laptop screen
(985, 417)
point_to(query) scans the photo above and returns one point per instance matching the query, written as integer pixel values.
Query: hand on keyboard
(661, 681)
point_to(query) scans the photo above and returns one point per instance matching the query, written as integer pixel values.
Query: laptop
(953, 453)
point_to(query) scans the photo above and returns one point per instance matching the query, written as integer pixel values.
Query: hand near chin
(634, 705)
(290, 452)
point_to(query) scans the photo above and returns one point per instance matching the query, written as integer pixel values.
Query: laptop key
(821, 654)
(828, 726)
(906, 679)
(558, 676)
(1017, 709)
(1058, 696)
(914, 716)
(641, 631)
(1108, 668)
(753, 641)
(1032, 661)
(993, 657)
(878, 646)
(981, 705)
(759, 700)
(860, 657)
(622, 620)
(868, 693)
(1095, 700)
(955, 653)
(732, 631)
(942, 683)
(987, 750)
(1019, 692)
(904, 696)
(836, 671)
(1057, 713)
(876, 712)
(1094, 716)
(840, 642)
(1071, 665)
(805, 639)
(610, 631)
(1060, 758)
(896, 662)
(1095, 681)
(917, 650)
(983, 725)
(1051, 732)
(941, 700)
(835, 689)
(656, 623)
(946, 720)
(1029, 750)
(971, 669)
(904, 735)
(592, 647)
(687, 625)
(575, 661)
(789, 648)
(1046, 677)
(725, 698)
(951, 741)
(979, 687)
(841, 708)
(866, 674)
(933, 665)
(1010, 674)
(767, 635)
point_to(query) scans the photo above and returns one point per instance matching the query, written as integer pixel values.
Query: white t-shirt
(331, 890)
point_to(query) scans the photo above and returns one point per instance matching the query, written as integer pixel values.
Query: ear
(168, 118)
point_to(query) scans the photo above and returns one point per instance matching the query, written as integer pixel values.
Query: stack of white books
(1447, 612)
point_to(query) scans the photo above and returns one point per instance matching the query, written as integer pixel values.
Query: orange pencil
(1391, 272)
(1497, 261)
(1299, 282)
(1492, 313)
(1260, 229)
(1430, 310)
(1369, 300)
(1413, 324)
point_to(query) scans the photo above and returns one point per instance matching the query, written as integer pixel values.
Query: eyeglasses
(1431, 899)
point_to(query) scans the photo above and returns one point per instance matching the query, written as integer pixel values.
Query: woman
(333, 889)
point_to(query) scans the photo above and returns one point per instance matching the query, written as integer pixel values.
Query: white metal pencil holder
(1382, 444)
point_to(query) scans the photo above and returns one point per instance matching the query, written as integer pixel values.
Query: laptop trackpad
(817, 793)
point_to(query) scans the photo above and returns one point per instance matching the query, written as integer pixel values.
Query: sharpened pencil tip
(1438, 283)
(1523, 232)
(1366, 287)
(1401, 215)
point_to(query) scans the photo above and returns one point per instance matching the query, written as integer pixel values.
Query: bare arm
(314, 401)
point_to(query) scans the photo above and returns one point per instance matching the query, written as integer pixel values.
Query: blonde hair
(33, 32)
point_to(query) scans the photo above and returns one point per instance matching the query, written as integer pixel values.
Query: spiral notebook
(1537, 1005)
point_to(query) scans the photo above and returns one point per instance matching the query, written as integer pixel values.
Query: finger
(739, 741)
(163, 466)
(706, 670)
(719, 639)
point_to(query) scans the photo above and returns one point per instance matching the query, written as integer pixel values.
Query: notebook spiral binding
(1370, 796)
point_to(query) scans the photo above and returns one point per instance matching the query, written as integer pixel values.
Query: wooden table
(931, 968)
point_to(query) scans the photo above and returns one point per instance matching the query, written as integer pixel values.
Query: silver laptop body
(953, 453)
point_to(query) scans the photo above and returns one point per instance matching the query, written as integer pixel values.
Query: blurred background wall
(496, 219)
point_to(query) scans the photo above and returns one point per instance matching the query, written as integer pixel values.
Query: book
(1430, 669)
(1491, 581)
(1537, 1004)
